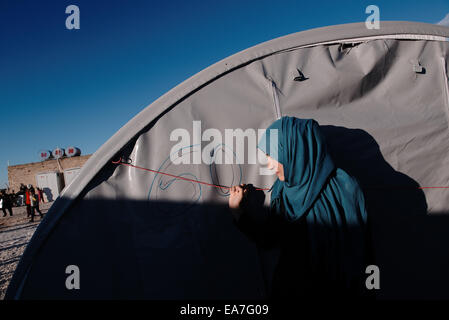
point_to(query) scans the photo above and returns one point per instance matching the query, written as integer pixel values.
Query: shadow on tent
(165, 250)
(48, 194)
(410, 246)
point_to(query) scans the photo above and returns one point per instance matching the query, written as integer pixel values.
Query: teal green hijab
(301, 149)
(326, 198)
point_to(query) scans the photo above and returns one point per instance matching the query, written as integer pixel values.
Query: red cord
(433, 187)
(228, 188)
(178, 177)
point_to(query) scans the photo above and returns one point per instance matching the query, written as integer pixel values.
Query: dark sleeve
(261, 226)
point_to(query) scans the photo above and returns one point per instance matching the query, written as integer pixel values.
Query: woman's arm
(252, 218)
(236, 203)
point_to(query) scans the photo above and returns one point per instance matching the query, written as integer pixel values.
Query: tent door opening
(276, 105)
(446, 85)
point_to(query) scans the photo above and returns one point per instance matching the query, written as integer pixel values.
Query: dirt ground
(15, 233)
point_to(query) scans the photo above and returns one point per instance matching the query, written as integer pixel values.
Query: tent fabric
(383, 105)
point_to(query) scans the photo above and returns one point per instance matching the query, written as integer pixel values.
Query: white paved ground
(15, 233)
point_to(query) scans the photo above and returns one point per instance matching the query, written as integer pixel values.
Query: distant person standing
(6, 203)
(13, 197)
(40, 193)
(27, 199)
(39, 198)
(34, 203)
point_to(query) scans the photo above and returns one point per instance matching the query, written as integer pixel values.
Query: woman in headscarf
(323, 230)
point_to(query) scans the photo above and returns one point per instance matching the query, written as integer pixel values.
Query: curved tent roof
(382, 99)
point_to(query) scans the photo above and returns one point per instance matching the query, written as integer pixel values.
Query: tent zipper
(277, 108)
(446, 80)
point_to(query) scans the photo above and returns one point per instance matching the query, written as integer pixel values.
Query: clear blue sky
(62, 87)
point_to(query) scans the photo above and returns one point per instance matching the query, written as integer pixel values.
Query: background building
(51, 174)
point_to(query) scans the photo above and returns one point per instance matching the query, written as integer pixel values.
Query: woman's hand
(236, 196)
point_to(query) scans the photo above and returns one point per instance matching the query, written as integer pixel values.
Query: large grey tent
(381, 97)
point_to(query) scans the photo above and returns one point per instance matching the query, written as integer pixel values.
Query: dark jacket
(7, 201)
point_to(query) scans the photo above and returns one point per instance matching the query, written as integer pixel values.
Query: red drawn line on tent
(433, 187)
(179, 177)
(263, 189)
